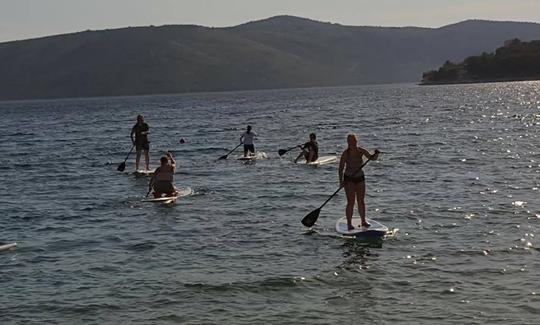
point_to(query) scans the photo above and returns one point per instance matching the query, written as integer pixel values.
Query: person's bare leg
(309, 157)
(147, 159)
(360, 190)
(349, 191)
(137, 159)
(302, 154)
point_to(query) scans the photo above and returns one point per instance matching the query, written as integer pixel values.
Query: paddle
(281, 152)
(122, 166)
(312, 217)
(150, 183)
(225, 156)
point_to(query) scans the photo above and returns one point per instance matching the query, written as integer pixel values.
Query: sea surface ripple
(459, 178)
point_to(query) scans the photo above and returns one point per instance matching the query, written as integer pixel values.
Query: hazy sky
(20, 19)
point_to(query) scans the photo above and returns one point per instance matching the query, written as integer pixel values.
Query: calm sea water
(459, 177)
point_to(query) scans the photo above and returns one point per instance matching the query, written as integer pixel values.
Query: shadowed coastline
(515, 61)
(279, 52)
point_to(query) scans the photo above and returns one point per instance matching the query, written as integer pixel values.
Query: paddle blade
(281, 152)
(121, 167)
(311, 218)
(223, 157)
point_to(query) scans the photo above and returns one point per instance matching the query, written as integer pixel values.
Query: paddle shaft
(129, 153)
(225, 156)
(291, 148)
(331, 196)
(150, 185)
(122, 165)
(284, 151)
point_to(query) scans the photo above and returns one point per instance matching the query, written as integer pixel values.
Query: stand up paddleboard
(321, 161)
(376, 230)
(181, 192)
(258, 155)
(5, 247)
(143, 172)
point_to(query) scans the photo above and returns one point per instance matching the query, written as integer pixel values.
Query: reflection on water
(460, 177)
(356, 253)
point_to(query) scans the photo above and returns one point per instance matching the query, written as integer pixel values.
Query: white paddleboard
(143, 172)
(6, 247)
(376, 230)
(321, 161)
(258, 155)
(183, 191)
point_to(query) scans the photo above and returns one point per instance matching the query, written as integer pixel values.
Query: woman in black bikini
(351, 177)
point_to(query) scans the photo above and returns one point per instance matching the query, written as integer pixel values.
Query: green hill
(516, 60)
(278, 52)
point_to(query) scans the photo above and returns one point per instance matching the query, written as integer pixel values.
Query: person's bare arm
(369, 156)
(172, 161)
(342, 167)
(131, 135)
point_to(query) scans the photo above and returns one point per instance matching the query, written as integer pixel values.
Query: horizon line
(261, 20)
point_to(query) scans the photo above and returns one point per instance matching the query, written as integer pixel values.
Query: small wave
(62, 245)
(171, 318)
(257, 286)
(81, 309)
(198, 191)
(200, 150)
(113, 238)
(142, 246)
(20, 134)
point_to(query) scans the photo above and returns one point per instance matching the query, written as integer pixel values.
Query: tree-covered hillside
(516, 60)
(279, 52)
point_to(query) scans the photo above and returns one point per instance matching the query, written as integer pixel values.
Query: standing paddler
(247, 139)
(351, 177)
(140, 130)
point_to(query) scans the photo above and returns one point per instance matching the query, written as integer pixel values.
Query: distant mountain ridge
(278, 52)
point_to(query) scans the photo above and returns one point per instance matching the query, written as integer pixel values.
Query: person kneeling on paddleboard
(310, 150)
(162, 180)
(351, 177)
(247, 139)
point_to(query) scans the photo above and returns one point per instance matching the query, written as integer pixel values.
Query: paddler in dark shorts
(140, 131)
(247, 139)
(351, 177)
(310, 150)
(162, 179)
